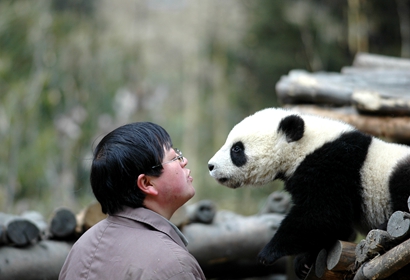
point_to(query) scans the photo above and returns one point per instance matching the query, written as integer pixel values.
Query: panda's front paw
(303, 263)
(267, 256)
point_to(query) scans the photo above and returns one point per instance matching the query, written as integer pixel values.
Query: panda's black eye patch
(237, 149)
(238, 156)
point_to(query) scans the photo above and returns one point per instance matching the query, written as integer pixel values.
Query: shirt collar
(180, 234)
(155, 220)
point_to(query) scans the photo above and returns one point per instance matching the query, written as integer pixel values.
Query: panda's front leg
(303, 263)
(291, 239)
(270, 254)
(285, 242)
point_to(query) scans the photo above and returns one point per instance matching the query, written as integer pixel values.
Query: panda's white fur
(267, 148)
(270, 152)
(381, 158)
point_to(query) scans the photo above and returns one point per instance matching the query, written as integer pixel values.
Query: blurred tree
(47, 79)
(85, 7)
(285, 35)
(403, 10)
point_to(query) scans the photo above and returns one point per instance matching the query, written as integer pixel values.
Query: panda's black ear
(293, 126)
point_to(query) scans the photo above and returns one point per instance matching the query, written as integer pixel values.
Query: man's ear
(145, 184)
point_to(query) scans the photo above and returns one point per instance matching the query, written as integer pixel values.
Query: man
(140, 181)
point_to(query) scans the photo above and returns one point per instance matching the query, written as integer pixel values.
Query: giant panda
(340, 179)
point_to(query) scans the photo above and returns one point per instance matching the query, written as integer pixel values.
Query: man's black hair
(120, 157)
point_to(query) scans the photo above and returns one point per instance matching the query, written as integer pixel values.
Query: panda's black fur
(399, 185)
(326, 189)
(311, 231)
(238, 154)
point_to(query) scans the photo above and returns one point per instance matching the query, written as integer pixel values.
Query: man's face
(175, 183)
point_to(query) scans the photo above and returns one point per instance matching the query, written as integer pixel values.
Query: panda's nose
(210, 167)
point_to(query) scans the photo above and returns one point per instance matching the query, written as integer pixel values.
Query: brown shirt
(133, 244)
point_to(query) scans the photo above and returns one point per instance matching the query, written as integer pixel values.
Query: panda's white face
(269, 145)
(253, 151)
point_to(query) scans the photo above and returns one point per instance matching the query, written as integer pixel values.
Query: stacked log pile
(32, 248)
(225, 243)
(383, 254)
(374, 96)
(228, 246)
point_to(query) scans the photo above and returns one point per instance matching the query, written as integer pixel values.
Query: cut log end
(399, 224)
(63, 224)
(22, 232)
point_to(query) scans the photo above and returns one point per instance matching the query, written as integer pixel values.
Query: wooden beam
(386, 264)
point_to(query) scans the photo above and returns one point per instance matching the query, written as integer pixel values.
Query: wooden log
(230, 237)
(396, 129)
(320, 263)
(377, 73)
(387, 264)
(300, 87)
(367, 60)
(398, 225)
(387, 102)
(379, 241)
(88, 217)
(341, 256)
(40, 261)
(408, 203)
(20, 231)
(38, 220)
(381, 94)
(338, 258)
(373, 102)
(201, 212)
(62, 224)
(277, 202)
(361, 252)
